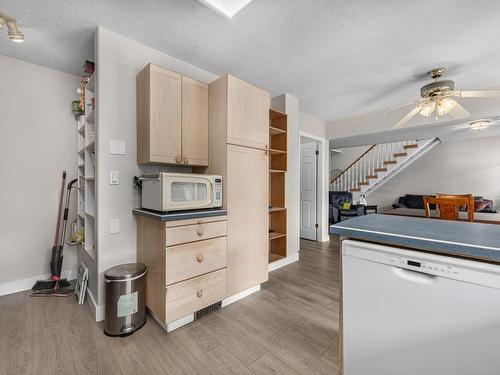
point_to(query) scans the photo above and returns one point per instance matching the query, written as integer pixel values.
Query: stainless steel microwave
(181, 191)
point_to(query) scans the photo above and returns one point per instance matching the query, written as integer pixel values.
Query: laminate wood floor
(290, 327)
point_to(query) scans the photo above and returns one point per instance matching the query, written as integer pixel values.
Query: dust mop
(56, 286)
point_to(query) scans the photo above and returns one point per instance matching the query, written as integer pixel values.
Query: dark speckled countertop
(180, 215)
(464, 239)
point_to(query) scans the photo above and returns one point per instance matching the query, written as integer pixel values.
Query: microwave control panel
(218, 192)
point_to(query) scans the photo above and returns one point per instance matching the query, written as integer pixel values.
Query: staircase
(378, 165)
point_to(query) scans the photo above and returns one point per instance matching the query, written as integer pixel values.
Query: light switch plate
(114, 226)
(114, 178)
(116, 147)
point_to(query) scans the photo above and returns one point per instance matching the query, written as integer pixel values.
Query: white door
(308, 173)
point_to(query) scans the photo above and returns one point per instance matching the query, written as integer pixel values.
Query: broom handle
(61, 194)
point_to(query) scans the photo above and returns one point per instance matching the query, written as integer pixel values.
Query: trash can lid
(125, 271)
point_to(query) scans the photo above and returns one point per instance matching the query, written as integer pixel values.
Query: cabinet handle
(186, 161)
(200, 221)
(199, 258)
(199, 293)
(178, 160)
(200, 232)
(267, 149)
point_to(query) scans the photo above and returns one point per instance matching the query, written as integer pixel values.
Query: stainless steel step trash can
(125, 299)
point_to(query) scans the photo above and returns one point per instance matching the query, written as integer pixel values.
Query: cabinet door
(162, 129)
(248, 114)
(248, 218)
(194, 122)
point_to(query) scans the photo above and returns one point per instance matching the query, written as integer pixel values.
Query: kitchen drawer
(195, 259)
(194, 294)
(196, 232)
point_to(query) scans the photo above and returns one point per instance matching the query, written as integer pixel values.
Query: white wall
(455, 167)
(311, 125)
(119, 60)
(38, 134)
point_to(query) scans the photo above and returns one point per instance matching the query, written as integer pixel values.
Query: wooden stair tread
(399, 154)
(410, 146)
(380, 169)
(372, 176)
(390, 162)
(355, 189)
(363, 183)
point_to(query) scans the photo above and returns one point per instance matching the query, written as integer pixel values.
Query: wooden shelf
(278, 146)
(275, 257)
(276, 209)
(276, 152)
(275, 131)
(275, 235)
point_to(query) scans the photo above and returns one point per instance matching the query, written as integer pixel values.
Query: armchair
(336, 200)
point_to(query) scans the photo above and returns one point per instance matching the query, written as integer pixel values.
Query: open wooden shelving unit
(278, 144)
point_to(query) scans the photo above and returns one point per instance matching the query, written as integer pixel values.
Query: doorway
(309, 151)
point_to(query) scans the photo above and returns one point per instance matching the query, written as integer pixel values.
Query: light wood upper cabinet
(248, 219)
(248, 114)
(172, 118)
(194, 122)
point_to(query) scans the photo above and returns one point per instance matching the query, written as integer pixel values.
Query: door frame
(322, 184)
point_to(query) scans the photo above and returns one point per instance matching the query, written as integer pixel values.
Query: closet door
(248, 114)
(248, 220)
(194, 122)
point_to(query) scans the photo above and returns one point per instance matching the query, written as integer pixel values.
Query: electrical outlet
(114, 178)
(114, 226)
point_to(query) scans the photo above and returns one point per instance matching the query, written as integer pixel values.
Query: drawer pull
(199, 293)
(186, 161)
(199, 258)
(200, 221)
(200, 231)
(178, 160)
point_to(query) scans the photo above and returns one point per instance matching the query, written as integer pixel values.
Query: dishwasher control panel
(426, 267)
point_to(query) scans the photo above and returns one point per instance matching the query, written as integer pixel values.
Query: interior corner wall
(455, 167)
(312, 125)
(290, 105)
(38, 134)
(119, 60)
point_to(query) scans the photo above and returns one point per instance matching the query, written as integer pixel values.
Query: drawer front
(196, 232)
(194, 294)
(195, 259)
(201, 220)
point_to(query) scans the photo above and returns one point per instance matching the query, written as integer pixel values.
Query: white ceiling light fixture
(228, 8)
(479, 124)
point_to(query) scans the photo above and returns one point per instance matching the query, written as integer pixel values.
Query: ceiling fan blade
(408, 117)
(459, 112)
(479, 93)
(415, 102)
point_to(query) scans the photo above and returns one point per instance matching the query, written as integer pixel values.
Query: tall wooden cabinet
(172, 118)
(239, 152)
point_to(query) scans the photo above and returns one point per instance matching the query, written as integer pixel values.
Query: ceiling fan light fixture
(428, 108)
(479, 124)
(14, 33)
(445, 106)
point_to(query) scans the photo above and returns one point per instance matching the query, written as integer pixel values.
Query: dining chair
(448, 205)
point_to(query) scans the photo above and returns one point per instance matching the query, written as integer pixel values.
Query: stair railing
(373, 159)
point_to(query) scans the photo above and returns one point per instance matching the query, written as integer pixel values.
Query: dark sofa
(417, 201)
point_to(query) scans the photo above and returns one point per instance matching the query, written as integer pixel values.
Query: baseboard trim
(190, 317)
(283, 262)
(26, 284)
(240, 295)
(97, 310)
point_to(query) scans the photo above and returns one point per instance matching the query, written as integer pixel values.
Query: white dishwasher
(414, 313)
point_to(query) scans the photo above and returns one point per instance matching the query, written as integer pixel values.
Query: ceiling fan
(438, 98)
